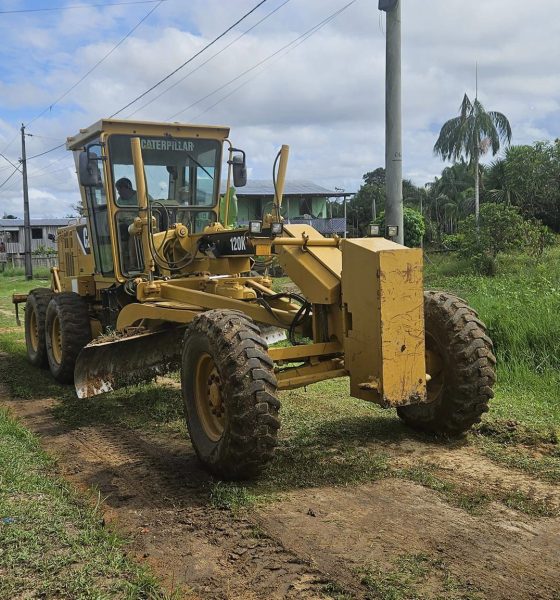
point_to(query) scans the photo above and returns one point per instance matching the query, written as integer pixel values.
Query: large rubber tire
(461, 385)
(35, 315)
(68, 330)
(229, 392)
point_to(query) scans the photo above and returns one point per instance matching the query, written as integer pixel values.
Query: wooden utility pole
(26, 219)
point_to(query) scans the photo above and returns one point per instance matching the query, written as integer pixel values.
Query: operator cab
(182, 177)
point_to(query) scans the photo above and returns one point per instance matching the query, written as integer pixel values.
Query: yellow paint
(383, 304)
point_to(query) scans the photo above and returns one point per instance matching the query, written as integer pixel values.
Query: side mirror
(89, 173)
(239, 171)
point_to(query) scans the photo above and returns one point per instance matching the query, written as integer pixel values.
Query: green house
(303, 202)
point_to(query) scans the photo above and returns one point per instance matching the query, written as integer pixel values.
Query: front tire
(461, 363)
(68, 330)
(229, 392)
(35, 316)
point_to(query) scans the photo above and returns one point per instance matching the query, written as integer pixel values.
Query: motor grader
(159, 279)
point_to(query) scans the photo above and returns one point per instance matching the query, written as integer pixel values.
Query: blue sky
(324, 97)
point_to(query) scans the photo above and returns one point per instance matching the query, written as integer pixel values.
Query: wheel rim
(34, 331)
(56, 340)
(208, 397)
(435, 369)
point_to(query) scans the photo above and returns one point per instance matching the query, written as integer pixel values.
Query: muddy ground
(344, 542)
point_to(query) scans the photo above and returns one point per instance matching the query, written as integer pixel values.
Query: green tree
(449, 199)
(471, 135)
(532, 173)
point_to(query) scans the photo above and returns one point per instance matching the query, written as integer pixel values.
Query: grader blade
(106, 366)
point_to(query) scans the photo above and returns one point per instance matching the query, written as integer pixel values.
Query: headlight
(276, 228)
(392, 231)
(373, 230)
(255, 227)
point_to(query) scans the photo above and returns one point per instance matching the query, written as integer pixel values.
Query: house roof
(298, 187)
(12, 223)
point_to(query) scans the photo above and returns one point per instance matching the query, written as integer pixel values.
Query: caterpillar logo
(173, 145)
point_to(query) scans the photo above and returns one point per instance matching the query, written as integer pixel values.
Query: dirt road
(341, 542)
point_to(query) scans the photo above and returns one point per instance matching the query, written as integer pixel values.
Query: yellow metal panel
(383, 304)
(315, 270)
(145, 128)
(304, 351)
(329, 257)
(133, 314)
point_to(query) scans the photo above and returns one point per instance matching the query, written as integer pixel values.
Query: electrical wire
(190, 59)
(208, 60)
(87, 73)
(8, 178)
(75, 6)
(291, 45)
(45, 152)
(11, 163)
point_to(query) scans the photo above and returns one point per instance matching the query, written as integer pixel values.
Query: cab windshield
(182, 179)
(180, 172)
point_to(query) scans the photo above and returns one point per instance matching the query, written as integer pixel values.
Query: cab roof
(154, 128)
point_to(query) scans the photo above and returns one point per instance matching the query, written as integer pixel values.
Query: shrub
(414, 226)
(538, 238)
(452, 241)
(501, 229)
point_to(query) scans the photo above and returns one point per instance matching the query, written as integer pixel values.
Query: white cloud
(325, 98)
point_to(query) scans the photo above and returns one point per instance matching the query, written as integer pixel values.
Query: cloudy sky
(318, 89)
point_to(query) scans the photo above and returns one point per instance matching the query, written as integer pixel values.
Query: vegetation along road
(355, 505)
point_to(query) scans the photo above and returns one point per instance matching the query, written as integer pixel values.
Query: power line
(297, 41)
(50, 107)
(10, 142)
(190, 59)
(7, 159)
(8, 178)
(56, 8)
(208, 60)
(47, 151)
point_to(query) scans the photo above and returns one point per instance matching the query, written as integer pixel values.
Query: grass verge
(53, 542)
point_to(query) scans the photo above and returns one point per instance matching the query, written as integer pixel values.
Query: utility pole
(26, 220)
(393, 114)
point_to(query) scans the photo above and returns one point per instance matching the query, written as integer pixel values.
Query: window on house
(36, 233)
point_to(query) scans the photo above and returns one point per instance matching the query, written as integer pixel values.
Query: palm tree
(471, 135)
(498, 184)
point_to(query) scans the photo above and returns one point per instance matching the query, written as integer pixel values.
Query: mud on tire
(67, 332)
(462, 387)
(229, 392)
(35, 315)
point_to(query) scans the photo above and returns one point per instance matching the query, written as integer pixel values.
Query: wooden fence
(18, 262)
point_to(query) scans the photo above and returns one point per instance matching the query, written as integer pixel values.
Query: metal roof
(35, 222)
(298, 187)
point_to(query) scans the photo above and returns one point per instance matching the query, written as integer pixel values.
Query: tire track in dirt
(464, 464)
(155, 491)
(501, 553)
(158, 495)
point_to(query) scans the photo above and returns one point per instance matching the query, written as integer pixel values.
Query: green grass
(520, 307)
(326, 437)
(413, 577)
(53, 541)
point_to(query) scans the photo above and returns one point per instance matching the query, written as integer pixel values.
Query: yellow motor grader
(155, 278)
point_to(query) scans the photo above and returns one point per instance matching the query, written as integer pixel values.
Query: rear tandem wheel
(229, 392)
(35, 315)
(68, 330)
